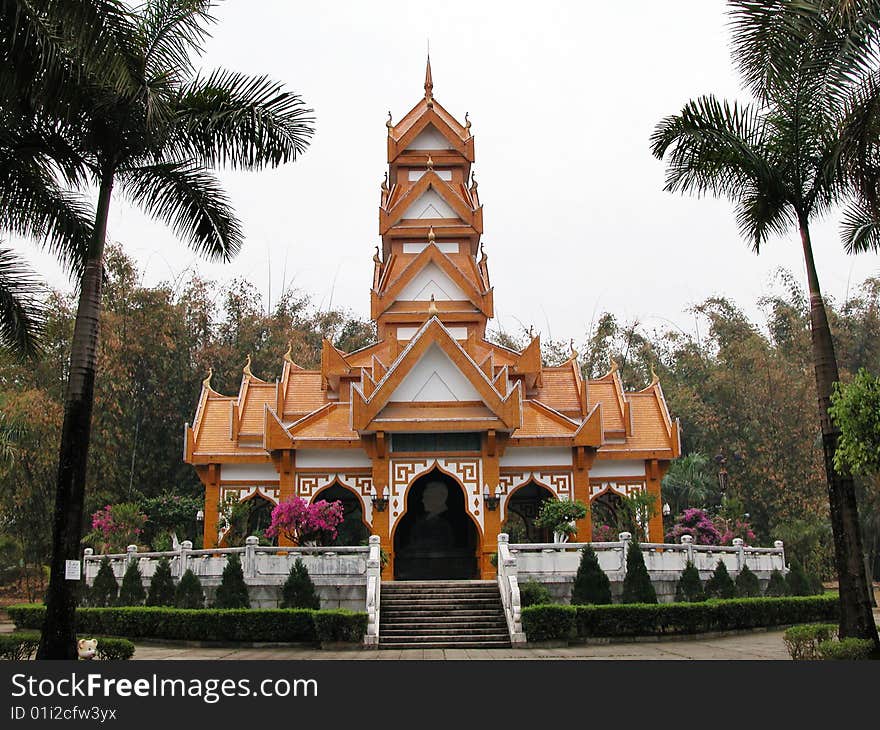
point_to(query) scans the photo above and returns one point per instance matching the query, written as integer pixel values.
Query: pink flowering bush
(737, 528)
(696, 523)
(115, 527)
(604, 533)
(301, 522)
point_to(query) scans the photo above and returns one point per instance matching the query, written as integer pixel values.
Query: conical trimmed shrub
(776, 586)
(189, 593)
(105, 589)
(161, 591)
(132, 592)
(796, 582)
(298, 590)
(637, 587)
(720, 584)
(591, 585)
(689, 588)
(747, 584)
(232, 591)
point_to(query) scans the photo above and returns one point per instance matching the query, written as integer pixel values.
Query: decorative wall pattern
(270, 492)
(308, 484)
(467, 471)
(622, 486)
(558, 481)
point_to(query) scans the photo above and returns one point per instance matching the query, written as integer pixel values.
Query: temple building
(435, 438)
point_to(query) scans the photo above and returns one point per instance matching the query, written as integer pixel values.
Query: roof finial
(430, 162)
(473, 181)
(376, 256)
(385, 184)
(467, 123)
(432, 306)
(206, 383)
(531, 332)
(654, 378)
(388, 123)
(483, 256)
(431, 234)
(429, 83)
(288, 356)
(613, 364)
(574, 353)
(247, 367)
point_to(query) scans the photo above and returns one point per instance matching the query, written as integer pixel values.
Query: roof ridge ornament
(431, 234)
(483, 257)
(613, 365)
(654, 378)
(385, 188)
(376, 258)
(574, 353)
(247, 367)
(473, 182)
(388, 123)
(206, 383)
(432, 306)
(288, 356)
(430, 163)
(429, 83)
(467, 123)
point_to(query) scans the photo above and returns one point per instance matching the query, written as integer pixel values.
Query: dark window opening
(435, 442)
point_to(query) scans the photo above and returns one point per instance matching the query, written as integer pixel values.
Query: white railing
(508, 584)
(374, 590)
(341, 574)
(561, 559)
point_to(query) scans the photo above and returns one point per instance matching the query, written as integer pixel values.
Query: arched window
(352, 531)
(522, 510)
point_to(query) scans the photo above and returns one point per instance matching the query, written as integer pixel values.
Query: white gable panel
(430, 139)
(416, 175)
(418, 247)
(435, 378)
(430, 205)
(431, 280)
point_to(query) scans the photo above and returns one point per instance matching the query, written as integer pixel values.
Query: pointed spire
(429, 82)
(247, 367)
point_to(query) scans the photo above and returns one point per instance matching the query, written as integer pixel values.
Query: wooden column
(381, 526)
(210, 476)
(286, 465)
(491, 518)
(654, 474)
(582, 459)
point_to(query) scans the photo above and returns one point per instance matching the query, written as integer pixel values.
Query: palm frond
(191, 201)
(761, 213)
(21, 318)
(171, 33)
(241, 121)
(860, 228)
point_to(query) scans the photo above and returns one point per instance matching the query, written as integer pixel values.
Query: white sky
(563, 97)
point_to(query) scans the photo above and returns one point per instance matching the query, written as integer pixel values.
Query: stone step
(432, 642)
(444, 600)
(482, 631)
(463, 614)
(466, 584)
(417, 620)
(396, 590)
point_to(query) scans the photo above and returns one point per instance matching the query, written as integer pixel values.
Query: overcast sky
(562, 96)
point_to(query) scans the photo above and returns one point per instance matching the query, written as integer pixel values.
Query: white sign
(71, 569)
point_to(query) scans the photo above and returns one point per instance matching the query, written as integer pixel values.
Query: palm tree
(153, 135)
(688, 483)
(782, 161)
(21, 319)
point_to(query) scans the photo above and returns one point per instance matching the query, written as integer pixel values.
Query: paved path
(759, 645)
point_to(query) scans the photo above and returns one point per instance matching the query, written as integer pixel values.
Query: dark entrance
(435, 540)
(522, 511)
(352, 531)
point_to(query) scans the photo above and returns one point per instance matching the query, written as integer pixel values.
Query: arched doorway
(435, 539)
(523, 507)
(352, 531)
(259, 517)
(606, 512)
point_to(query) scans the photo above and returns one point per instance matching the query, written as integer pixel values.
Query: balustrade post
(374, 587)
(780, 547)
(184, 549)
(625, 539)
(740, 553)
(130, 554)
(250, 556)
(87, 553)
(688, 542)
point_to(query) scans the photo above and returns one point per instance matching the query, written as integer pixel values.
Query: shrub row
(542, 623)
(262, 624)
(23, 645)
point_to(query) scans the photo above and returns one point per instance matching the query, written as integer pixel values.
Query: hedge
(340, 625)
(160, 622)
(803, 641)
(23, 645)
(849, 649)
(553, 622)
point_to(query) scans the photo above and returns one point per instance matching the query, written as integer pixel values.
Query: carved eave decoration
(468, 214)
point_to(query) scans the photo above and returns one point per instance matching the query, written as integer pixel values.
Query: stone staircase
(460, 614)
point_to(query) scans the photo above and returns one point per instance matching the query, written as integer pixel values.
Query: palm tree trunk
(59, 631)
(856, 619)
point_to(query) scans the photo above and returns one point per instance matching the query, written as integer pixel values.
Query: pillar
(654, 474)
(491, 517)
(582, 460)
(381, 526)
(286, 465)
(210, 476)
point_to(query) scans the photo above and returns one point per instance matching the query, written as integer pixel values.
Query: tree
(637, 587)
(688, 483)
(301, 522)
(189, 593)
(689, 587)
(720, 584)
(591, 585)
(105, 589)
(155, 136)
(747, 584)
(131, 592)
(298, 590)
(161, 591)
(21, 319)
(807, 65)
(855, 408)
(232, 591)
(559, 516)
(776, 586)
